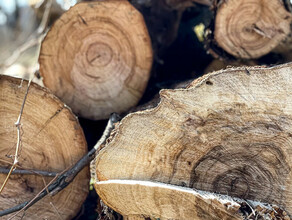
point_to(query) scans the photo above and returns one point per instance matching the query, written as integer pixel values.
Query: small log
(229, 132)
(251, 28)
(97, 58)
(51, 140)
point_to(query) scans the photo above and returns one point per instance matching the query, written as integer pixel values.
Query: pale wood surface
(142, 199)
(97, 58)
(251, 28)
(228, 132)
(52, 140)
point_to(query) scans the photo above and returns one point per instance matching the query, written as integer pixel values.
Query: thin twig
(61, 181)
(28, 172)
(18, 125)
(34, 39)
(51, 202)
(109, 127)
(25, 171)
(102, 140)
(56, 210)
(28, 203)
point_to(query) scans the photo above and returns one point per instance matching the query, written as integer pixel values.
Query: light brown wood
(251, 28)
(229, 132)
(142, 199)
(51, 140)
(97, 58)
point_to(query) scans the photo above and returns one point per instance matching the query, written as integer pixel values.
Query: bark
(219, 64)
(97, 58)
(51, 140)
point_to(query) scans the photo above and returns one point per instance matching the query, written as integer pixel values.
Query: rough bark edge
(49, 94)
(195, 84)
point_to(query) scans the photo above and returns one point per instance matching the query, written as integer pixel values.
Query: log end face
(235, 140)
(251, 29)
(52, 140)
(139, 199)
(97, 58)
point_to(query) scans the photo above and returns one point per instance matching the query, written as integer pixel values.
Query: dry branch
(28, 172)
(34, 39)
(18, 143)
(64, 178)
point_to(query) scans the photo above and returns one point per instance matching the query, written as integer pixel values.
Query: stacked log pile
(218, 148)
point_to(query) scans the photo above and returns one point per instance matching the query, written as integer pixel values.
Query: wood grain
(229, 132)
(52, 140)
(251, 28)
(142, 199)
(97, 58)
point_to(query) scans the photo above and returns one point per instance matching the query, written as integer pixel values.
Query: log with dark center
(97, 58)
(251, 28)
(229, 132)
(51, 140)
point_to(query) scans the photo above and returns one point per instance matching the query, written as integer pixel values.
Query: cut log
(251, 28)
(51, 140)
(97, 58)
(229, 132)
(164, 201)
(137, 200)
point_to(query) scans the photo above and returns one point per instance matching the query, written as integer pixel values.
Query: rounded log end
(51, 141)
(251, 29)
(97, 58)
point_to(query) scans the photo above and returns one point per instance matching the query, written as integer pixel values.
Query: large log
(250, 28)
(229, 132)
(139, 200)
(51, 140)
(164, 201)
(97, 58)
